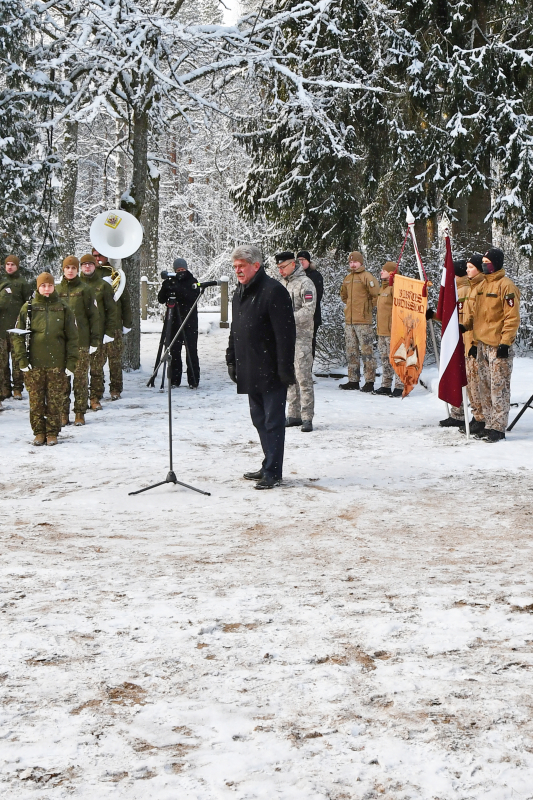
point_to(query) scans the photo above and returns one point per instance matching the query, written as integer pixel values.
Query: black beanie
(495, 256)
(179, 263)
(304, 254)
(477, 260)
(459, 267)
(285, 256)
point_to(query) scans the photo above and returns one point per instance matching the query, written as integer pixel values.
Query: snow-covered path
(364, 631)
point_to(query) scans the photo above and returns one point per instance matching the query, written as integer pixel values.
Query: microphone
(205, 284)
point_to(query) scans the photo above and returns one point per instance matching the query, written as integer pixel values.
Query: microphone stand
(166, 359)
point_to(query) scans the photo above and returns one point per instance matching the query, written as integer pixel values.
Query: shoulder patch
(372, 283)
(510, 301)
(308, 296)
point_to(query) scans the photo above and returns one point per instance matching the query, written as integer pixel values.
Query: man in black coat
(260, 356)
(311, 272)
(179, 293)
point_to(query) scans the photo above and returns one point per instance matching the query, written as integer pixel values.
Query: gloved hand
(502, 351)
(473, 351)
(287, 379)
(232, 372)
(430, 313)
(92, 350)
(462, 328)
(108, 339)
(25, 369)
(69, 373)
(125, 330)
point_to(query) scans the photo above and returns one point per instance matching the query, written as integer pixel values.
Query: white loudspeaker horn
(116, 234)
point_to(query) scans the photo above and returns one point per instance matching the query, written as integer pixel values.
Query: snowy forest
(303, 124)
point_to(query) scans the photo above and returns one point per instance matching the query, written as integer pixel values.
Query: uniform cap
(179, 263)
(71, 261)
(356, 256)
(88, 259)
(14, 259)
(389, 266)
(285, 256)
(45, 277)
(495, 256)
(304, 254)
(459, 267)
(477, 260)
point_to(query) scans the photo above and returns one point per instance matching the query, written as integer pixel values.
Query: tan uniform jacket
(359, 291)
(385, 299)
(495, 318)
(469, 303)
(463, 287)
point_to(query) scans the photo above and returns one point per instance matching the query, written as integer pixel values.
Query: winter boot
(17, 395)
(39, 440)
(450, 422)
(383, 390)
(253, 476)
(65, 420)
(115, 396)
(268, 483)
(396, 393)
(475, 426)
(96, 405)
(51, 439)
(349, 385)
(307, 426)
(494, 436)
(292, 422)
(368, 387)
(80, 419)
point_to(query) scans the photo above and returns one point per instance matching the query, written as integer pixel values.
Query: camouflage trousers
(6, 349)
(458, 412)
(81, 384)
(360, 344)
(46, 388)
(97, 361)
(301, 395)
(113, 353)
(494, 386)
(474, 395)
(387, 372)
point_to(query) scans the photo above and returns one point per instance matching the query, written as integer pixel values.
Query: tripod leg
(162, 340)
(515, 420)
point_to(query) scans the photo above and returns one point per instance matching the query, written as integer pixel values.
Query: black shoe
(193, 386)
(267, 483)
(383, 390)
(481, 433)
(450, 422)
(397, 393)
(253, 476)
(368, 387)
(349, 385)
(475, 427)
(307, 426)
(494, 436)
(292, 422)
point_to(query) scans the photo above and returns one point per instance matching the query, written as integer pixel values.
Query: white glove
(125, 330)
(25, 369)
(92, 350)
(108, 339)
(69, 373)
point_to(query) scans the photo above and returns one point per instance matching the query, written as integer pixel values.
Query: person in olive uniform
(80, 299)
(114, 349)
(14, 291)
(52, 353)
(108, 315)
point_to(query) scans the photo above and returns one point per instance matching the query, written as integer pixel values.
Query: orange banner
(408, 332)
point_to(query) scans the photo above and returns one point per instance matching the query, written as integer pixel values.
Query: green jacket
(106, 303)
(53, 338)
(14, 291)
(80, 299)
(124, 318)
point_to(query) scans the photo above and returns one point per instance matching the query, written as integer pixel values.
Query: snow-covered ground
(364, 631)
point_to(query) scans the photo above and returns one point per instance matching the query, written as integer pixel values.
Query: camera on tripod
(166, 275)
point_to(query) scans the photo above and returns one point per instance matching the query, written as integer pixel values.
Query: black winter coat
(182, 287)
(315, 276)
(262, 335)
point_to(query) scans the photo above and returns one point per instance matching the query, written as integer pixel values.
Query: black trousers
(267, 410)
(313, 345)
(191, 357)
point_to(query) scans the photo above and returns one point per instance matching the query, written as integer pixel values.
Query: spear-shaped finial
(445, 226)
(409, 217)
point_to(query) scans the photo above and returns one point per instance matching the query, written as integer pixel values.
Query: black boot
(268, 483)
(349, 385)
(494, 436)
(368, 387)
(307, 426)
(475, 427)
(383, 390)
(292, 422)
(450, 422)
(253, 476)
(397, 393)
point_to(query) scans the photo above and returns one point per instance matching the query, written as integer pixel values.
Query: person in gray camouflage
(301, 395)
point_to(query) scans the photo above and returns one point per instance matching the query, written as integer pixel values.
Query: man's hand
(232, 372)
(473, 351)
(287, 379)
(462, 328)
(430, 313)
(502, 351)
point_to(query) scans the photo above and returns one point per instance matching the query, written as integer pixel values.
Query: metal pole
(465, 409)
(168, 361)
(224, 302)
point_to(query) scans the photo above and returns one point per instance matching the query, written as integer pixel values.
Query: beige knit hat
(356, 256)
(390, 266)
(45, 277)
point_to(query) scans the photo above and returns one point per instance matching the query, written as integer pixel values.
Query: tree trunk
(120, 163)
(68, 193)
(133, 202)
(149, 249)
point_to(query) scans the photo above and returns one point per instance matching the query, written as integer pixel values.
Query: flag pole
(411, 224)
(465, 408)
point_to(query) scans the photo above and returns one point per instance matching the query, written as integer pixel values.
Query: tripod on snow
(166, 340)
(164, 357)
(525, 408)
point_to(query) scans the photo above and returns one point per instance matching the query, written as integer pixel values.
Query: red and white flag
(452, 371)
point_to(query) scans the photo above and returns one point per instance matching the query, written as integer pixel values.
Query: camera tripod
(524, 409)
(165, 341)
(164, 357)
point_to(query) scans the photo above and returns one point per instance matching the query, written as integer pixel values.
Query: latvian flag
(452, 371)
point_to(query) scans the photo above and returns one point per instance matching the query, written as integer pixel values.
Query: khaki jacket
(463, 288)
(469, 303)
(385, 298)
(359, 291)
(495, 317)
(303, 296)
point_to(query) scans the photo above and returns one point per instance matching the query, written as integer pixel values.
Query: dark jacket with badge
(14, 291)
(53, 338)
(106, 303)
(495, 315)
(262, 336)
(314, 275)
(80, 299)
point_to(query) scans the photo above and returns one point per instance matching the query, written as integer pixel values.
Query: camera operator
(179, 292)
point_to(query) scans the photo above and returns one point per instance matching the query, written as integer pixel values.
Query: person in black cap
(304, 257)
(183, 288)
(474, 270)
